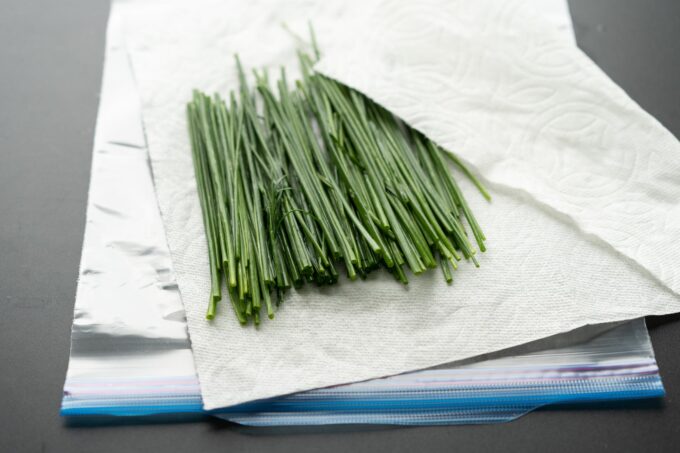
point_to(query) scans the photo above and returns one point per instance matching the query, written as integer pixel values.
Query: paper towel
(500, 88)
(541, 276)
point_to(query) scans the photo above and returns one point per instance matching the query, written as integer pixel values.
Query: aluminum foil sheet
(128, 317)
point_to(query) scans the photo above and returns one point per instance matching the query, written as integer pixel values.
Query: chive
(206, 204)
(453, 158)
(293, 181)
(446, 269)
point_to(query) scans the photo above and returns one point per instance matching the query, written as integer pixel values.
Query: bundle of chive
(296, 183)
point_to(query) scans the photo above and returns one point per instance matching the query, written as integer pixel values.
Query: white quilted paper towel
(544, 272)
(533, 114)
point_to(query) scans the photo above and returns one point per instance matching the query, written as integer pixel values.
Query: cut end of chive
(212, 308)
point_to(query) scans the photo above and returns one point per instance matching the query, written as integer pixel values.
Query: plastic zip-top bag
(131, 355)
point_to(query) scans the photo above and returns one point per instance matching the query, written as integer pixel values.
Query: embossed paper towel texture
(541, 276)
(533, 114)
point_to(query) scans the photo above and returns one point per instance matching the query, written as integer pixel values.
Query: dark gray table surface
(51, 56)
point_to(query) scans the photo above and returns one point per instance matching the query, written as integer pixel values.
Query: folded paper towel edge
(338, 64)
